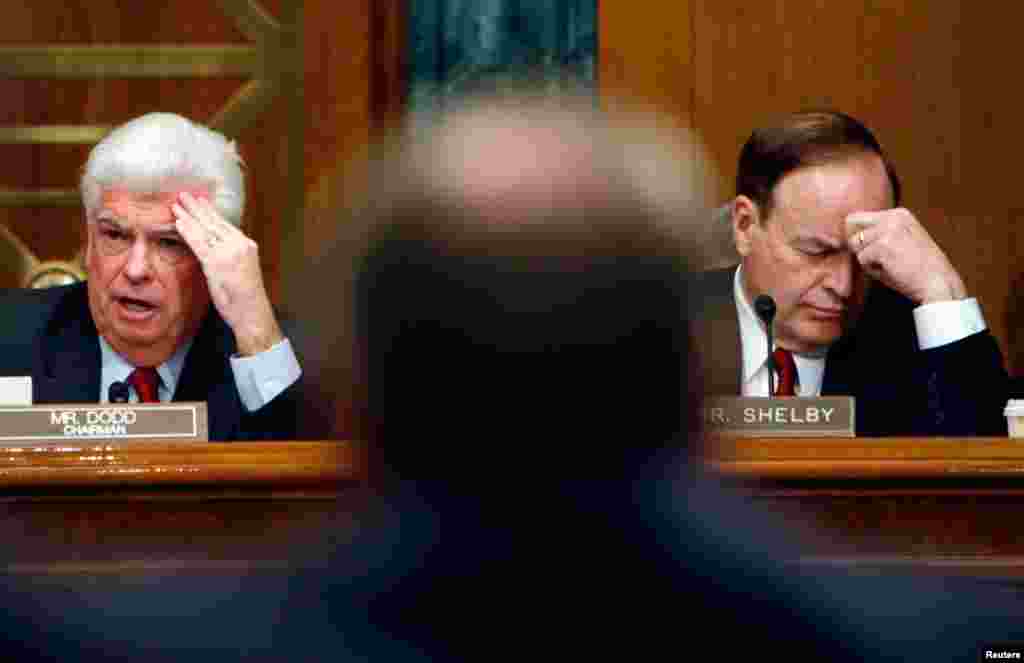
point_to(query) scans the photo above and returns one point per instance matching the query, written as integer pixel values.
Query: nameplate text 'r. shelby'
(823, 416)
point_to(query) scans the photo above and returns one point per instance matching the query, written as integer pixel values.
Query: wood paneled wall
(355, 90)
(341, 66)
(57, 232)
(926, 76)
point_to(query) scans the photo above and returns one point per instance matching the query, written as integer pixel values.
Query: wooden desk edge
(107, 463)
(866, 458)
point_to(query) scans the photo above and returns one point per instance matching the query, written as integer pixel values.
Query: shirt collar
(753, 342)
(116, 368)
(754, 346)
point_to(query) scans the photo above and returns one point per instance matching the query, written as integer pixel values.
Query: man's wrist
(262, 377)
(254, 342)
(948, 289)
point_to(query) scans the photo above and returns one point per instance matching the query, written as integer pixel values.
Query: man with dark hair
(867, 303)
(529, 383)
(807, 139)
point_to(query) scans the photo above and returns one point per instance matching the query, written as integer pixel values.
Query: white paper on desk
(16, 390)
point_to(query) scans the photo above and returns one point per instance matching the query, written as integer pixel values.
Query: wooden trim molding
(389, 63)
(108, 464)
(868, 458)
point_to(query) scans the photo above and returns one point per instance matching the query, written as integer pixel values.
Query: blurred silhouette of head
(520, 303)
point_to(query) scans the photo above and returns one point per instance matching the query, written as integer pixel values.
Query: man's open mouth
(136, 305)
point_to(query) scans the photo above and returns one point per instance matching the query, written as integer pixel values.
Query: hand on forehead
(199, 192)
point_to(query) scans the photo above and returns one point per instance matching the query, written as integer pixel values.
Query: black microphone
(118, 392)
(764, 306)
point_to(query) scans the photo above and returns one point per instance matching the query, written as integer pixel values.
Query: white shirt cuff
(260, 378)
(942, 323)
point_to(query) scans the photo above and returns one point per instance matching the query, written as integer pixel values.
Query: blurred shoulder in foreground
(530, 393)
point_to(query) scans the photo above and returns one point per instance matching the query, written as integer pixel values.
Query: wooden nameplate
(793, 416)
(178, 422)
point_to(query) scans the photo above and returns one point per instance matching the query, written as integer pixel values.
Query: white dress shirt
(259, 378)
(937, 324)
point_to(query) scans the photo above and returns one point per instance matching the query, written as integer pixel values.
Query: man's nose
(842, 270)
(138, 266)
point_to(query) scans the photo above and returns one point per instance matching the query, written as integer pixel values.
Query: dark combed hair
(803, 139)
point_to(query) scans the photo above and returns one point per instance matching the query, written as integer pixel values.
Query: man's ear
(86, 246)
(746, 220)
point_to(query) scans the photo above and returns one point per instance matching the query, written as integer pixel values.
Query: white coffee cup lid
(1014, 408)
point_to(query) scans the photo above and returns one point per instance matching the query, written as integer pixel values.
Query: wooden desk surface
(826, 459)
(107, 508)
(107, 464)
(947, 505)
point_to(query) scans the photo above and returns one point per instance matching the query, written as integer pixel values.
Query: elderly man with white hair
(174, 304)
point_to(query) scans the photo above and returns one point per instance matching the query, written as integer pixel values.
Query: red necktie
(146, 382)
(786, 367)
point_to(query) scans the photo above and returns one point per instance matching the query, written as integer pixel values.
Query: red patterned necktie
(146, 383)
(786, 367)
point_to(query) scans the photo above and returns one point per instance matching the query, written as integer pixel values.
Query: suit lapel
(68, 366)
(207, 376)
(843, 365)
(716, 332)
(836, 381)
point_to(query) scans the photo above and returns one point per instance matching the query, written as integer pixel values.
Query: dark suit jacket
(956, 389)
(49, 334)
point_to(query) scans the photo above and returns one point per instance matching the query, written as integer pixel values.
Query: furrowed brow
(108, 221)
(171, 232)
(818, 242)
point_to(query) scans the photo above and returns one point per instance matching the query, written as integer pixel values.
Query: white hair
(161, 151)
